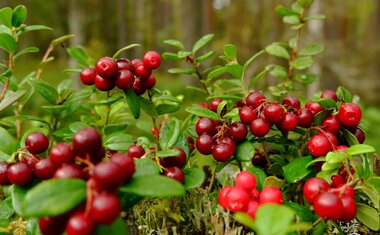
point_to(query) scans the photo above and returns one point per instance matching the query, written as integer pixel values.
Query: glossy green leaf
(291, 19)
(371, 192)
(19, 15)
(133, 103)
(6, 208)
(112, 128)
(360, 149)
(256, 78)
(61, 39)
(181, 71)
(117, 227)
(194, 177)
(154, 186)
(6, 16)
(312, 49)
(277, 50)
(167, 108)
(125, 49)
(253, 58)
(18, 197)
(202, 42)
(319, 117)
(8, 43)
(335, 157)
(235, 70)
(184, 54)
(32, 227)
(170, 56)
(167, 153)
(169, 133)
(46, 90)
(302, 212)
(230, 52)
(9, 144)
(284, 11)
(179, 45)
(29, 28)
(202, 112)
(11, 97)
(296, 170)
(302, 62)
(260, 176)
(205, 56)
(54, 197)
(326, 103)
(147, 106)
(306, 78)
(216, 72)
(344, 95)
(244, 219)
(119, 142)
(245, 151)
(349, 137)
(145, 167)
(368, 216)
(278, 71)
(79, 54)
(25, 51)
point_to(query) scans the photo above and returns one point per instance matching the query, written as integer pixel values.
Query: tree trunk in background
(122, 26)
(191, 25)
(138, 26)
(74, 23)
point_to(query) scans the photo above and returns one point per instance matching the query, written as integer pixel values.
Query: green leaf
(148, 106)
(145, 167)
(256, 78)
(302, 211)
(183, 54)
(112, 128)
(169, 133)
(175, 43)
(170, 56)
(235, 70)
(277, 50)
(6, 209)
(8, 143)
(368, 216)
(19, 15)
(167, 108)
(335, 157)
(54, 197)
(245, 151)
(154, 186)
(202, 42)
(216, 72)
(202, 112)
(11, 97)
(296, 170)
(117, 227)
(302, 62)
(8, 43)
(119, 142)
(312, 49)
(252, 58)
(6, 16)
(273, 219)
(260, 176)
(244, 219)
(25, 51)
(371, 192)
(344, 95)
(278, 71)
(133, 103)
(283, 11)
(194, 177)
(32, 227)
(167, 153)
(205, 56)
(18, 197)
(79, 54)
(360, 149)
(349, 137)
(29, 28)
(181, 71)
(124, 49)
(326, 103)
(46, 90)
(319, 117)
(306, 78)
(291, 19)
(230, 52)
(61, 39)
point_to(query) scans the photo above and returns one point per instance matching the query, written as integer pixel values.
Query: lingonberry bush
(278, 162)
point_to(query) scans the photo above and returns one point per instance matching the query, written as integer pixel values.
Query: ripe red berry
(252, 208)
(19, 174)
(328, 205)
(222, 197)
(126, 162)
(349, 208)
(274, 113)
(341, 147)
(247, 114)
(259, 127)
(30, 161)
(319, 145)
(337, 180)
(305, 117)
(237, 199)
(331, 123)
(87, 76)
(222, 152)
(151, 60)
(271, 194)
(61, 153)
(136, 151)
(142, 72)
(238, 131)
(80, 224)
(138, 87)
(205, 125)
(255, 99)
(175, 173)
(69, 171)
(37, 143)
(331, 137)
(228, 141)
(149, 83)
(204, 144)
(124, 64)
(52, 225)
(314, 107)
(288, 123)
(291, 102)
(329, 94)
(104, 84)
(245, 180)
(259, 160)
(108, 176)
(313, 187)
(124, 79)
(3, 174)
(178, 160)
(254, 194)
(358, 133)
(105, 208)
(204, 105)
(45, 169)
(106, 67)
(214, 104)
(87, 141)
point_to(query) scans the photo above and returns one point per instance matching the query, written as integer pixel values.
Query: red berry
(52, 225)
(19, 174)
(222, 198)
(175, 173)
(319, 145)
(260, 127)
(349, 208)
(291, 102)
(108, 176)
(124, 64)
(69, 171)
(228, 141)
(314, 107)
(238, 131)
(329, 94)
(179, 160)
(204, 105)
(305, 117)
(3, 174)
(259, 160)
(87, 141)
(255, 99)
(337, 180)
(237, 199)
(313, 187)
(349, 114)
(331, 123)
(61, 153)
(151, 60)
(138, 87)
(37, 143)
(136, 151)
(245, 180)
(358, 133)
(331, 136)
(149, 83)
(30, 161)
(45, 169)
(87, 76)
(205, 125)
(124, 79)
(328, 205)
(247, 114)
(341, 147)
(274, 113)
(80, 224)
(105, 208)
(271, 194)
(142, 72)
(214, 104)
(222, 152)
(288, 123)
(254, 194)
(204, 144)
(349, 191)
(106, 67)
(252, 208)
(126, 162)
(104, 84)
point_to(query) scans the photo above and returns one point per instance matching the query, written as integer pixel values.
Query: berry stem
(212, 179)
(154, 121)
(266, 154)
(108, 110)
(320, 219)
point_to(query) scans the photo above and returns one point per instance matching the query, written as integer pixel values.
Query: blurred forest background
(350, 32)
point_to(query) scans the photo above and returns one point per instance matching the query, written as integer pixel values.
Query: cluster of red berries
(245, 197)
(335, 201)
(123, 73)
